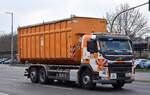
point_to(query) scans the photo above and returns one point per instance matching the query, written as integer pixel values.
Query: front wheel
(86, 80)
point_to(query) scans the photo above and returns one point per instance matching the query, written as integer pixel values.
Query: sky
(27, 12)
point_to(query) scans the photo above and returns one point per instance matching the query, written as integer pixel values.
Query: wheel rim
(86, 79)
(42, 76)
(33, 74)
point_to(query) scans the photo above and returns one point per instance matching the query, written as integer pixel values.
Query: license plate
(113, 76)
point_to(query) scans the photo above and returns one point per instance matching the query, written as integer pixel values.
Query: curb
(19, 65)
(142, 80)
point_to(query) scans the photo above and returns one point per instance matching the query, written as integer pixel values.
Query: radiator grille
(120, 69)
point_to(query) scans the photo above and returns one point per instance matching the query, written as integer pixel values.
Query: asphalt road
(12, 82)
(143, 76)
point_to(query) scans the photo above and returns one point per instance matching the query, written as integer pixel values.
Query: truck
(76, 49)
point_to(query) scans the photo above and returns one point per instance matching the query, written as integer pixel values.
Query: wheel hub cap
(86, 79)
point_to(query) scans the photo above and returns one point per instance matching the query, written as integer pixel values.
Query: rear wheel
(34, 75)
(148, 67)
(86, 80)
(43, 79)
(118, 85)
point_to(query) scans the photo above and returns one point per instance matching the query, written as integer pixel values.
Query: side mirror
(92, 46)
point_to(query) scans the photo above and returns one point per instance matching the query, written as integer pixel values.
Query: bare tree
(130, 23)
(5, 42)
(147, 32)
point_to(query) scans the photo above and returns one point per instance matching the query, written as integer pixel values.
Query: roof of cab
(112, 36)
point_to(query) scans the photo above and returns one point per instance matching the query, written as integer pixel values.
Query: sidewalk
(142, 76)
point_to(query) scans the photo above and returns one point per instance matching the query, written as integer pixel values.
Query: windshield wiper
(126, 51)
(119, 51)
(109, 51)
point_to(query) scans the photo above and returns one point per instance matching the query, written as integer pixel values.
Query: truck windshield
(115, 47)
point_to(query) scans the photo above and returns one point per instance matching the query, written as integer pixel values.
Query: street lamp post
(111, 27)
(12, 44)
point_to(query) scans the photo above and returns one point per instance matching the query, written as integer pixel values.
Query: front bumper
(120, 78)
(113, 81)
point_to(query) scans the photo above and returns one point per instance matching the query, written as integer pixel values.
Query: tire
(138, 66)
(148, 67)
(118, 85)
(86, 80)
(43, 79)
(34, 75)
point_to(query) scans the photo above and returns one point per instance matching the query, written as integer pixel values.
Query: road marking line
(3, 93)
(64, 88)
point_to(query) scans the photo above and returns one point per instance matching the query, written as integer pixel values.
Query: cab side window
(92, 46)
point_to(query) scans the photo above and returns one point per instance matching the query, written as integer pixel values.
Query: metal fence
(142, 54)
(7, 54)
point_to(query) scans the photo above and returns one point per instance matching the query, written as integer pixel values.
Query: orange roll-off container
(56, 42)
